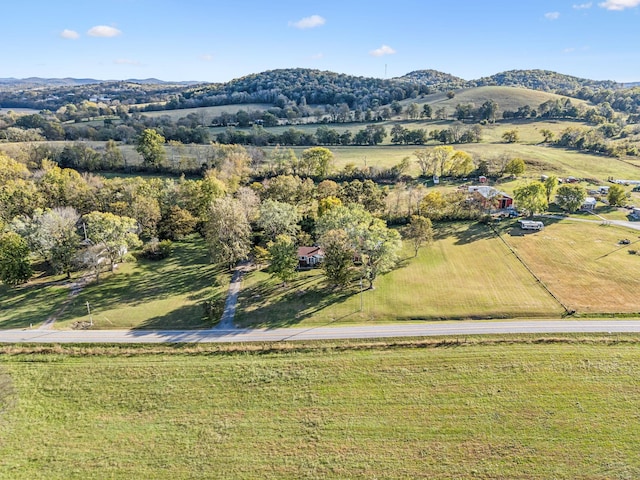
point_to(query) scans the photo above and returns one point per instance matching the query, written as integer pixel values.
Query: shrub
(155, 250)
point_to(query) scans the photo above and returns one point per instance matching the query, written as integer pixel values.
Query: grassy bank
(436, 410)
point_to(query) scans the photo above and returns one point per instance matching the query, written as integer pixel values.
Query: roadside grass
(466, 273)
(31, 304)
(165, 294)
(582, 264)
(502, 411)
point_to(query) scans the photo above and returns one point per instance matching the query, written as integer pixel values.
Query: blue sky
(217, 41)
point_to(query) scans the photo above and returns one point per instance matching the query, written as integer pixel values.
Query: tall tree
(227, 232)
(532, 198)
(316, 161)
(116, 234)
(550, 184)
(419, 231)
(570, 197)
(278, 218)
(339, 254)
(373, 242)
(283, 257)
(617, 196)
(15, 267)
(150, 144)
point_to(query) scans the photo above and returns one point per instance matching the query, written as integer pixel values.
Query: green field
(30, 305)
(153, 294)
(206, 114)
(445, 410)
(467, 273)
(583, 264)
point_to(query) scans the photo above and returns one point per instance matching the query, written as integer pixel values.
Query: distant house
(500, 199)
(635, 213)
(603, 190)
(310, 256)
(589, 204)
(531, 225)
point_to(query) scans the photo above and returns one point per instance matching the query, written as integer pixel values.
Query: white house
(310, 256)
(589, 204)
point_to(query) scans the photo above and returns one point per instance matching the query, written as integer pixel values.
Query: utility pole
(90, 317)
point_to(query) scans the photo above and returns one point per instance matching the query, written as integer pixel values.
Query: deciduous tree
(15, 266)
(419, 231)
(150, 144)
(283, 258)
(532, 198)
(617, 196)
(227, 232)
(570, 197)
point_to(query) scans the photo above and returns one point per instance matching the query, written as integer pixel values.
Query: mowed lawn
(583, 264)
(466, 273)
(153, 294)
(31, 304)
(510, 411)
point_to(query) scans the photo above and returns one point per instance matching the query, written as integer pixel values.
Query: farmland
(502, 408)
(483, 281)
(583, 264)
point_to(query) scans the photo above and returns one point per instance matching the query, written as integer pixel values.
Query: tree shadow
(187, 273)
(187, 317)
(262, 306)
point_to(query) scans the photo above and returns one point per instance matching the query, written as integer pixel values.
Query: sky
(217, 41)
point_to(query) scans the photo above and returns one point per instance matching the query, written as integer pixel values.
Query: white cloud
(552, 15)
(206, 57)
(383, 50)
(69, 34)
(103, 31)
(308, 22)
(126, 61)
(317, 56)
(583, 6)
(619, 4)
(569, 50)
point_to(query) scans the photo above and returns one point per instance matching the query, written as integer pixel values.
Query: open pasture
(583, 264)
(556, 409)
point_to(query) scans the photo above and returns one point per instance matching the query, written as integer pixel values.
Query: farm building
(501, 200)
(635, 213)
(589, 204)
(531, 225)
(310, 256)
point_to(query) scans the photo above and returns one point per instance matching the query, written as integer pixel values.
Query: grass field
(31, 304)
(507, 98)
(466, 273)
(146, 294)
(206, 114)
(583, 264)
(445, 410)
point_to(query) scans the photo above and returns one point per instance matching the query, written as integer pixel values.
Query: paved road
(619, 223)
(226, 321)
(454, 329)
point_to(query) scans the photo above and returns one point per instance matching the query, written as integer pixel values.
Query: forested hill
(544, 80)
(298, 87)
(434, 79)
(305, 86)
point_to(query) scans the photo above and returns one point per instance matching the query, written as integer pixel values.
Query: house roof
(589, 201)
(487, 192)
(309, 251)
